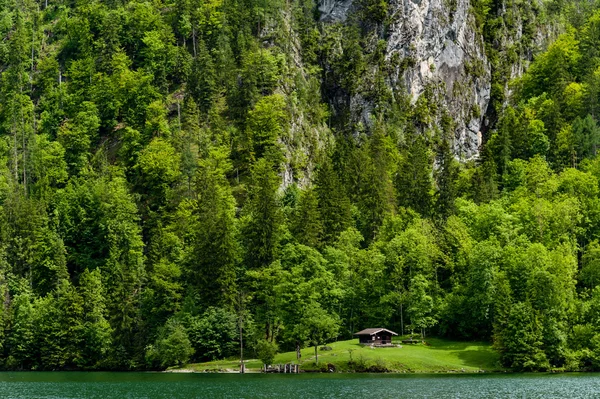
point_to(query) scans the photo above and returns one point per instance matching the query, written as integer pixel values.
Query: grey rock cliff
(446, 54)
(334, 10)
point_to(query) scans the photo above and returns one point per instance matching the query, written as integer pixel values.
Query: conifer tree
(202, 83)
(214, 247)
(96, 335)
(334, 205)
(123, 270)
(78, 135)
(60, 326)
(262, 230)
(21, 340)
(306, 224)
(376, 197)
(413, 182)
(485, 184)
(191, 141)
(446, 176)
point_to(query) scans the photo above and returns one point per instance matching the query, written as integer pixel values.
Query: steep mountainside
(443, 49)
(180, 179)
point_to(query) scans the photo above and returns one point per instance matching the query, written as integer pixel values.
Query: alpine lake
(107, 385)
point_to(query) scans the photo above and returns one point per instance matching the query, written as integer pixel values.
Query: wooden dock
(287, 368)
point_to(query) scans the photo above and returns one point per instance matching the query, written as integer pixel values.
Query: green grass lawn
(440, 355)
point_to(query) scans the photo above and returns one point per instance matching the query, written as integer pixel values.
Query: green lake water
(51, 385)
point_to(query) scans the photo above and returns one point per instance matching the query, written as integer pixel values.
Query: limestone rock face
(445, 53)
(334, 10)
(448, 54)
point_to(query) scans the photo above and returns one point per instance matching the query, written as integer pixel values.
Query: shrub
(266, 351)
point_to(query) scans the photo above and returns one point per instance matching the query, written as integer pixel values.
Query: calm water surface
(214, 386)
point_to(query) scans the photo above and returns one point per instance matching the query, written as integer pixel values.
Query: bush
(172, 347)
(214, 335)
(266, 351)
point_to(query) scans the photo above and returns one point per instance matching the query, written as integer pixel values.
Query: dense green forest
(176, 175)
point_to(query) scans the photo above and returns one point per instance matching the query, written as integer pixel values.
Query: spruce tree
(21, 340)
(485, 186)
(376, 197)
(263, 216)
(96, 336)
(446, 176)
(202, 84)
(334, 205)
(214, 247)
(413, 181)
(306, 224)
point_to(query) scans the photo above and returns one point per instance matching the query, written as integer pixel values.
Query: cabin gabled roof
(373, 331)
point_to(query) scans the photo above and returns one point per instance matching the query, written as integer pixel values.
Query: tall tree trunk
(24, 147)
(241, 345)
(16, 154)
(32, 56)
(194, 41)
(401, 320)
(24, 152)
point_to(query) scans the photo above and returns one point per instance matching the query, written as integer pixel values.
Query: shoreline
(411, 372)
(439, 356)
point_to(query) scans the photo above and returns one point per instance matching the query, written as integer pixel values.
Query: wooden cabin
(375, 336)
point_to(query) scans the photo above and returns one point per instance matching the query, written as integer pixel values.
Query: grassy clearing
(440, 355)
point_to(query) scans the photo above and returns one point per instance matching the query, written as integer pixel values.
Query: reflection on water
(52, 385)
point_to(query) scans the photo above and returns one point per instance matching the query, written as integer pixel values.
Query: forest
(177, 175)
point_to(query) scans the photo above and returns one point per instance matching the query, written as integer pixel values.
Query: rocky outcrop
(448, 54)
(444, 52)
(306, 134)
(334, 10)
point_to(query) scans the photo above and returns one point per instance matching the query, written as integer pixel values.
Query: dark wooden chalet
(375, 336)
